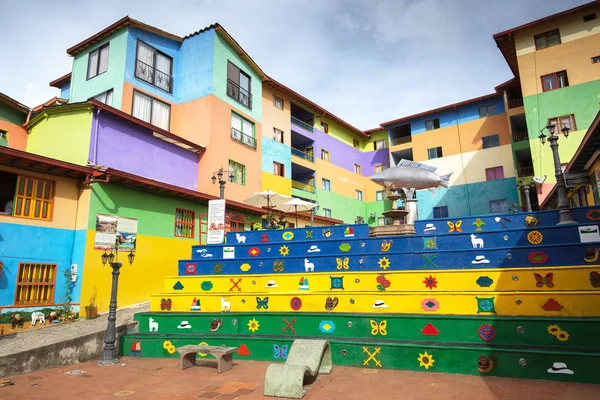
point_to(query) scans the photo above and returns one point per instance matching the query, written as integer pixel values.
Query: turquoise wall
(272, 150)
(82, 88)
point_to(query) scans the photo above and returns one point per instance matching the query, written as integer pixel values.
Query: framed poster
(216, 222)
(111, 229)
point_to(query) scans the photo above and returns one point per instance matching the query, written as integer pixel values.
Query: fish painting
(411, 175)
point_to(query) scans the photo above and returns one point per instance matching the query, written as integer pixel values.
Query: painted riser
(564, 278)
(498, 258)
(454, 360)
(581, 304)
(514, 331)
(299, 247)
(254, 237)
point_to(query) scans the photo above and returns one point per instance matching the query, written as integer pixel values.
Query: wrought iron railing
(520, 136)
(302, 124)
(514, 103)
(303, 155)
(153, 76)
(401, 140)
(238, 93)
(525, 171)
(303, 186)
(243, 138)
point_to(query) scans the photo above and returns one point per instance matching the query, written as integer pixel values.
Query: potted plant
(91, 310)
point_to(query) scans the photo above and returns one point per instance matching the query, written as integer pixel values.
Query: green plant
(65, 307)
(92, 302)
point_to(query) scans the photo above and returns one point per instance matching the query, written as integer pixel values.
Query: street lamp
(564, 211)
(109, 353)
(524, 187)
(219, 175)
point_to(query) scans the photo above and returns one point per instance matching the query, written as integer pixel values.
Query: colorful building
(13, 115)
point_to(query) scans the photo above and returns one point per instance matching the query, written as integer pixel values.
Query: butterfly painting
(454, 227)
(377, 328)
(280, 352)
(342, 263)
(540, 280)
(264, 303)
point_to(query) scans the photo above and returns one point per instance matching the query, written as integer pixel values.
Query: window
(242, 130)
(326, 184)
(278, 135)
(435, 152)
(547, 39)
(554, 81)
(239, 172)
(381, 221)
(498, 206)
(105, 97)
(35, 284)
(490, 141)
(494, 173)
(278, 169)
(278, 102)
(380, 195)
(327, 212)
(432, 124)
(97, 61)
(325, 127)
(440, 212)
(560, 122)
(151, 110)
(238, 85)
(357, 169)
(359, 195)
(596, 60)
(379, 144)
(355, 143)
(589, 17)
(184, 223)
(325, 155)
(379, 167)
(487, 111)
(26, 197)
(154, 67)
(4, 135)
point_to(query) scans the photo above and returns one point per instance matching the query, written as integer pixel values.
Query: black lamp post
(109, 354)
(525, 192)
(564, 210)
(219, 174)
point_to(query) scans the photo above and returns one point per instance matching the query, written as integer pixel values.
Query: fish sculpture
(411, 175)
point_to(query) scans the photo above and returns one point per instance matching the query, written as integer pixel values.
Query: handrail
(302, 124)
(520, 136)
(243, 138)
(303, 186)
(401, 140)
(238, 93)
(514, 103)
(302, 154)
(153, 76)
(525, 171)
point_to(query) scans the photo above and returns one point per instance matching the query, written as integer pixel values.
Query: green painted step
(526, 363)
(569, 333)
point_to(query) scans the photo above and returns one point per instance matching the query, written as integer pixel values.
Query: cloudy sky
(367, 61)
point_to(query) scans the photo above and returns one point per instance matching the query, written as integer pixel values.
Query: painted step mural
(506, 295)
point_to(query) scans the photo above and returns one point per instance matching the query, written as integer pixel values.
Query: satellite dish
(539, 180)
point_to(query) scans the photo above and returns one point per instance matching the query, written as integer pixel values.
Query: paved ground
(158, 379)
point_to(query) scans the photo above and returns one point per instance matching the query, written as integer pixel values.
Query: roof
(506, 43)
(589, 146)
(109, 30)
(14, 103)
(33, 162)
(440, 109)
(312, 105)
(62, 81)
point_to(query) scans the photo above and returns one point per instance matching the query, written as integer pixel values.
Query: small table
(224, 356)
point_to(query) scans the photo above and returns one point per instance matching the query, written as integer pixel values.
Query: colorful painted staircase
(506, 295)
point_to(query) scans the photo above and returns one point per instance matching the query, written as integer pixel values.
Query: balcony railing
(243, 138)
(303, 155)
(303, 186)
(520, 136)
(153, 76)
(238, 93)
(302, 124)
(514, 103)
(525, 171)
(401, 140)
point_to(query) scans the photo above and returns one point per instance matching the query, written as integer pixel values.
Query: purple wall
(127, 147)
(346, 156)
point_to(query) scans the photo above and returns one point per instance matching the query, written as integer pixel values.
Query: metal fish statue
(411, 175)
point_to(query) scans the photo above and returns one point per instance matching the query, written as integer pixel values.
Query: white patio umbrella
(296, 204)
(266, 198)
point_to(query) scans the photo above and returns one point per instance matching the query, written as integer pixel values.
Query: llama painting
(476, 242)
(225, 305)
(308, 266)
(152, 325)
(240, 238)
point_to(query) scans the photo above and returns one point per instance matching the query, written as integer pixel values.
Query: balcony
(303, 186)
(401, 140)
(525, 171)
(514, 103)
(244, 139)
(520, 136)
(302, 124)
(151, 75)
(239, 94)
(301, 154)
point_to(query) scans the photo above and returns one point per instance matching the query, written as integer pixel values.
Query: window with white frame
(278, 102)
(326, 184)
(359, 195)
(327, 212)
(154, 67)
(380, 195)
(151, 110)
(98, 61)
(278, 135)
(105, 97)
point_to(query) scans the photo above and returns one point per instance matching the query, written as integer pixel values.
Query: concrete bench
(224, 356)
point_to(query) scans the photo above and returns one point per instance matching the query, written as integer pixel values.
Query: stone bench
(224, 356)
